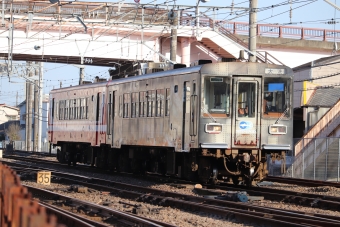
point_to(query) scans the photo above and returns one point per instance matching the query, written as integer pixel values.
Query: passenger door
(246, 112)
(186, 117)
(110, 117)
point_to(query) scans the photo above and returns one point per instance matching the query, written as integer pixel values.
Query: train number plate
(44, 177)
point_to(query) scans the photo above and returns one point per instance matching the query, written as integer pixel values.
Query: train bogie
(215, 122)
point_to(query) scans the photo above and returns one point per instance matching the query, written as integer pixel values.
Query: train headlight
(251, 171)
(213, 128)
(278, 129)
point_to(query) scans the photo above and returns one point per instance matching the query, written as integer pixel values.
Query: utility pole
(173, 46)
(26, 98)
(252, 30)
(36, 110)
(81, 74)
(41, 85)
(29, 105)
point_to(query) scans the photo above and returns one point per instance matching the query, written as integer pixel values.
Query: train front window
(216, 96)
(246, 99)
(276, 97)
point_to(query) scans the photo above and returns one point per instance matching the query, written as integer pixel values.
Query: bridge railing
(262, 56)
(279, 31)
(269, 30)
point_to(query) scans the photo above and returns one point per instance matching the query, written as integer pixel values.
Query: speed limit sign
(44, 177)
(137, 1)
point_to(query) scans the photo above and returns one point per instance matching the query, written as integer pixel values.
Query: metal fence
(21, 145)
(318, 160)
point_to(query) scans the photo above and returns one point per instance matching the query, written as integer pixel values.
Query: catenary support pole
(36, 108)
(41, 94)
(252, 30)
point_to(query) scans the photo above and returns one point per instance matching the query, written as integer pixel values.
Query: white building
(8, 113)
(316, 90)
(44, 132)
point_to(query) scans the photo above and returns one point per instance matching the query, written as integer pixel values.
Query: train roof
(231, 67)
(156, 75)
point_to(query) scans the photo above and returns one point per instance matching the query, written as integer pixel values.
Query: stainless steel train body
(209, 122)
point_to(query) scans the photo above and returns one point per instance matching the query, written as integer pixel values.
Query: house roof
(317, 62)
(10, 107)
(325, 97)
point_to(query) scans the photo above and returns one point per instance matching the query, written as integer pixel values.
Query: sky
(305, 13)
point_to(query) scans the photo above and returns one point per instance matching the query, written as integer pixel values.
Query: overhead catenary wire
(294, 1)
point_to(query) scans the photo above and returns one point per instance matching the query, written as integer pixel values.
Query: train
(211, 122)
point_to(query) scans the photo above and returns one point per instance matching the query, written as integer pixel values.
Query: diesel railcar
(212, 122)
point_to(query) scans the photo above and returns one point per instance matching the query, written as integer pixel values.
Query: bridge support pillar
(186, 49)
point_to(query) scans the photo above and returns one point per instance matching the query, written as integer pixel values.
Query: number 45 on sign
(44, 177)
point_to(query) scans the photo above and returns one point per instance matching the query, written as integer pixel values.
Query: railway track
(241, 211)
(94, 211)
(18, 209)
(305, 199)
(302, 182)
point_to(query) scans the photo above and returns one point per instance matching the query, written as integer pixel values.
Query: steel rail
(198, 203)
(101, 210)
(302, 182)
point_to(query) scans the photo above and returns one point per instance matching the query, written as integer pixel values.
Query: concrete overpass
(104, 34)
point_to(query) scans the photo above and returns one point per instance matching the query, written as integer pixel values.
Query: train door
(246, 112)
(97, 108)
(110, 117)
(193, 112)
(186, 116)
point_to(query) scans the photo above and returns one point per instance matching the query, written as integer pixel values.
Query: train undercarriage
(204, 165)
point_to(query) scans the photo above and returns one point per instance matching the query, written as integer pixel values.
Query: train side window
(120, 106)
(56, 107)
(81, 108)
(66, 109)
(151, 96)
(71, 109)
(159, 102)
(87, 108)
(134, 105)
(77, 108)
(126, 102)
(167, 101)
(142, 104)
(61, 110)
(84, 103)
(176, 89)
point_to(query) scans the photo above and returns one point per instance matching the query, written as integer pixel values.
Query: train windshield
(276, 97)
(216, 96)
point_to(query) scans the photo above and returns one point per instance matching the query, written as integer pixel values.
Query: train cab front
(234, 124)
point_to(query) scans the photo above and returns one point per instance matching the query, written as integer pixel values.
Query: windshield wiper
(282, 115)
(206, 111)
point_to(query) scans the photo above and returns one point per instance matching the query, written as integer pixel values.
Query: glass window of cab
(276, 97)
(216, 96)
